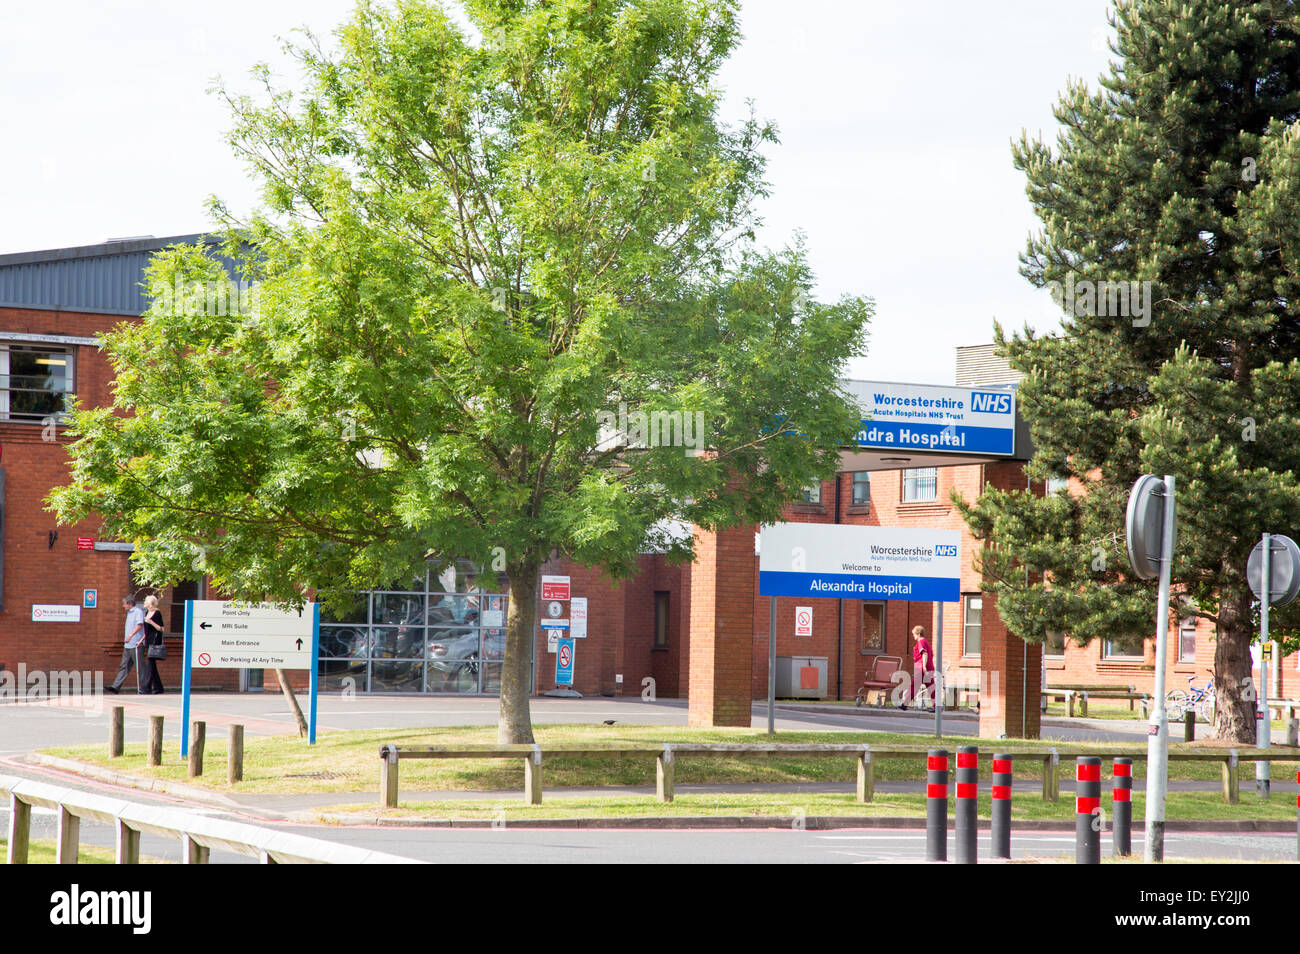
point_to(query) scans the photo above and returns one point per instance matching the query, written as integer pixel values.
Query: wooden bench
(1080, 694)
(881, 677)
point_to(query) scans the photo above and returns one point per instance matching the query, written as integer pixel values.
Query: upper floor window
(921, 483)
(972, 623)
(862, 488)
(35, 383)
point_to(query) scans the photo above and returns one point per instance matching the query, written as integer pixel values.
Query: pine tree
(1178, 179)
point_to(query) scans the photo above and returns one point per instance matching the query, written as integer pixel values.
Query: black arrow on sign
(300, 644)
(205, 625)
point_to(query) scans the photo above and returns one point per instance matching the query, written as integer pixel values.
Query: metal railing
(198, 834)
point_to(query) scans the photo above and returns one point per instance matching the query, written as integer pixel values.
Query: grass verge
(349, 761)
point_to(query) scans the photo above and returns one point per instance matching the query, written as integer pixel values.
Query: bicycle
(1178, 701)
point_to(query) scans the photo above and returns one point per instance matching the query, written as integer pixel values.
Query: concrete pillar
(1011, 674)
(723, 582)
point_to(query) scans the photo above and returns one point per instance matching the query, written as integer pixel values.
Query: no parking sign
(564, 661)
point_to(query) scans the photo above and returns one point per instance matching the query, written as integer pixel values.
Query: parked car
(458, 655)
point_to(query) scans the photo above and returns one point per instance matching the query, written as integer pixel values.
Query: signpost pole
(1263, 724)
(771, 667)
(185, 679)
(1158, 729)
(938, 672)
(315, 669)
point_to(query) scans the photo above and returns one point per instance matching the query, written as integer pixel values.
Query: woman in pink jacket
(922, 666)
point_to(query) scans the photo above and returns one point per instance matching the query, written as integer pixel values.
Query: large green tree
(1179, 171)
(492, 239)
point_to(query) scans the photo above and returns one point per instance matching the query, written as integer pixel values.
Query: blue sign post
(564, 651)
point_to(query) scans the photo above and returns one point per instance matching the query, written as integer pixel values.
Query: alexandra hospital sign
(864, 563)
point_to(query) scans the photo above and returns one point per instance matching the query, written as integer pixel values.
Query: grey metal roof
(103, 278)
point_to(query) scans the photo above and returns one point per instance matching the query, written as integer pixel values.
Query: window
(813, 494)
(185, 590)
(1057, 485)
(861, 489)
(1054, 644)
(972, 609)
(1187, 641)
(661, 619)
(35, 383)
(873, 627)
(1126, 647)
(921, 483)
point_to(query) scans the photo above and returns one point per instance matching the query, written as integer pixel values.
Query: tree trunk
(1234, 717)
(514, 719)
(293, 703)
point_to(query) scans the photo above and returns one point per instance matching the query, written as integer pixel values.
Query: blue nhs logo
(945, 550)
(990, 402)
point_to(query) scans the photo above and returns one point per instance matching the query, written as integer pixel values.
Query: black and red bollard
(1121, 809)
(1001, 806)
(1087, 809)
(967, 822)
(936, 805)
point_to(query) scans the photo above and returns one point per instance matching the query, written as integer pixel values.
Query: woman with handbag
(155, 648)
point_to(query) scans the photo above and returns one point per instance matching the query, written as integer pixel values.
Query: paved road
(28, 726)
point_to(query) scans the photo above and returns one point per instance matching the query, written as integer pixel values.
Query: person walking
(922, 666)
(151, 682)
(132, 646)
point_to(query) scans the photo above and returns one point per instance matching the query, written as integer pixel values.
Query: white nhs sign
(945, 550)
(990, 402)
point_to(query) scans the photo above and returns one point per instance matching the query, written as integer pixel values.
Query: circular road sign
(1144, 525)
(1283, 567)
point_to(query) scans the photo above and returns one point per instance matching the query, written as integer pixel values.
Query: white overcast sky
(896, 120)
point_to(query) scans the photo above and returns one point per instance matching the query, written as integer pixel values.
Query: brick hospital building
(699, 630)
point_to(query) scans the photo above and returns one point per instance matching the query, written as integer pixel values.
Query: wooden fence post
(116, 732)
(20, 829)
(533, 776)
(196, 748)
(128, 844)
(235, 758)
(155, 739)
(69, 837)
(388, 775)
(866, 776)
(664, 774)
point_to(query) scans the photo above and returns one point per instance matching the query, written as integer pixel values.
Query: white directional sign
(224, 635)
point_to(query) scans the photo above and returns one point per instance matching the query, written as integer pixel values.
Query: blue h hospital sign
(928, 417)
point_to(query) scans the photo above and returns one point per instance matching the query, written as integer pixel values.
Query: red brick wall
(36, 571)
